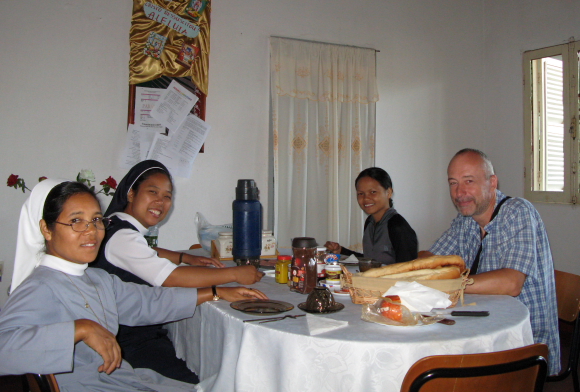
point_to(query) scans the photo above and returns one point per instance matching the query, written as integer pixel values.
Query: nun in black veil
(143, 199)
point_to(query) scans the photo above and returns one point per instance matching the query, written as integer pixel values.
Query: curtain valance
(348, 72)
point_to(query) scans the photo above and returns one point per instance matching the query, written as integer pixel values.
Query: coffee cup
(320, 300)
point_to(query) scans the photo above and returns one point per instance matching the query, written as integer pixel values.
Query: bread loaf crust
(431, 262)
(451, 272)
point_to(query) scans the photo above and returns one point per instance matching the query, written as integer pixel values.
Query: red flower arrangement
(85, 176)
(17, 182)
(109, 184)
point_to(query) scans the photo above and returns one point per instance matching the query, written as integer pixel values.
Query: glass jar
(282, 267)
(320, 263)
(303, 265)
(288, 260)
(333, 273)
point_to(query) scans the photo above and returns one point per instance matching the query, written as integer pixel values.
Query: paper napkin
(351, 258)
(318, 325)
(419, 298)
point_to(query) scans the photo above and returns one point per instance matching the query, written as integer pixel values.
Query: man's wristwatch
(216, 297)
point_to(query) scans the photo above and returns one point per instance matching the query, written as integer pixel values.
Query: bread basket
(365, 290)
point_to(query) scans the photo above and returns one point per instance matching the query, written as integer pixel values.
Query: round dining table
(332, 352)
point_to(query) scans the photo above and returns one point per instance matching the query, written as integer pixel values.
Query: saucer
(261, 306)
(335, 308)
(341, 293)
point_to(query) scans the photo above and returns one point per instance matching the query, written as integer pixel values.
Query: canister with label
(268, 243)
(320, 263)
(225, 243)
(303, 264)
(333, 273)
(282, 267)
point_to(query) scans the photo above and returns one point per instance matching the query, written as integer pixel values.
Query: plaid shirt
(515, 239)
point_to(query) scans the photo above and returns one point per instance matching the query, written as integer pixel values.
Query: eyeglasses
(80, 225)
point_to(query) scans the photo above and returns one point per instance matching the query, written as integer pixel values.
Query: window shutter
(554, 125)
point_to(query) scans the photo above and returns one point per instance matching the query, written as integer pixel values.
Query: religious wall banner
(170, 38)
(170, 41)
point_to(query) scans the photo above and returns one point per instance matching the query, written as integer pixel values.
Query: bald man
(515, 257)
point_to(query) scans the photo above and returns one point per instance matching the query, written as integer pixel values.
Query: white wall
(510, 29)
(428, 69)
(63, 98)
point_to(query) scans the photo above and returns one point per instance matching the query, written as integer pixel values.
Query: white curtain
(323, 119)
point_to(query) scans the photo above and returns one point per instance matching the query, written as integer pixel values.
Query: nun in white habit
(63, 318)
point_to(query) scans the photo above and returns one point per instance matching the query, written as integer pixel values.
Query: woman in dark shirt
(387, 237)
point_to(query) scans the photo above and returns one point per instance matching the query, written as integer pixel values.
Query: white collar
(131, 219)
(68, 267)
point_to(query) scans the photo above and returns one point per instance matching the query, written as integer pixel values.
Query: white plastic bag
(207, 232)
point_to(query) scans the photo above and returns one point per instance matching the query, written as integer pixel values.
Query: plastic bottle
(247, 222)
(152, 236)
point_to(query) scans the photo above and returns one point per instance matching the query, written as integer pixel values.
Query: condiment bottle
(303, 264)
(320, 263)
(333, 273)
(152, 236)
(282, 266)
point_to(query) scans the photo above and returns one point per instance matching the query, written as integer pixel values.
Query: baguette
(451, 272)
(426, 263)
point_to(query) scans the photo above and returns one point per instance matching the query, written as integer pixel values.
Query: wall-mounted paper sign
(179, 151)
(169, 19)
(142, 99)
(145, 100)
(137, 145)
(174, 106)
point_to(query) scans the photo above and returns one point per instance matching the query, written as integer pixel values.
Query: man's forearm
(504, 281)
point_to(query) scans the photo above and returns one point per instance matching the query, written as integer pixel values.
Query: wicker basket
(365, 290)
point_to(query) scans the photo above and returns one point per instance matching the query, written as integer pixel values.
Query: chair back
(518, 370)
(568, 294)
(42, 382)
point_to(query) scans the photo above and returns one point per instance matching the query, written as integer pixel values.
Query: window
(551, 108)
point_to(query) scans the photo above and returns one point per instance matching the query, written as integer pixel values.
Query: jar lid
(266, 232)
(304, 242)
(321, 248)
(284, 257)
(225, 234)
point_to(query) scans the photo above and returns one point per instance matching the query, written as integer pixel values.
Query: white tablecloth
(230, 355)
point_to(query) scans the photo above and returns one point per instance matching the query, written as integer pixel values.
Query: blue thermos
(247, 221)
